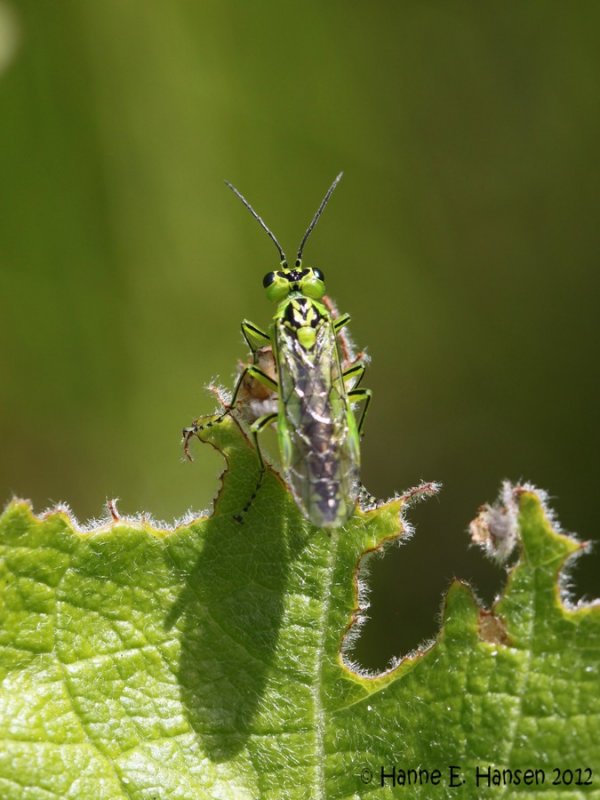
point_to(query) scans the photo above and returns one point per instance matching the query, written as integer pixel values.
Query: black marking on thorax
(301, 312)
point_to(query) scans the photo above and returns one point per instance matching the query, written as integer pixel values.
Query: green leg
(195, 428)
(254, 336)
(256, 428)
(358, 396)
(341, 322)
(366, 500)
(355, 371)
(257, 374)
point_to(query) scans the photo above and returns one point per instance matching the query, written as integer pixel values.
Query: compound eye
(318, 274)
(268, 279)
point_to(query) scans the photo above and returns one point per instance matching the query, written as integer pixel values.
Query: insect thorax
(301, 317)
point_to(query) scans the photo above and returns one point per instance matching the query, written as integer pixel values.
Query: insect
(314, 386)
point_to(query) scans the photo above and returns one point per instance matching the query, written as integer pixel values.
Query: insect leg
(358, 396)
(256, 427)
(254, 336)
(252, 371)
(355, 371)
(341, 322)
(348, 355)
(196, 427)
(366, 500)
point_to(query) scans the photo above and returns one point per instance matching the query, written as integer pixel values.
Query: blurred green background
(463, 240)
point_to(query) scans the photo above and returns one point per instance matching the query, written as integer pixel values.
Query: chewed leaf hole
(405, 588)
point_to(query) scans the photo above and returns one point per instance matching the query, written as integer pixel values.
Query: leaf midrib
(319, 671)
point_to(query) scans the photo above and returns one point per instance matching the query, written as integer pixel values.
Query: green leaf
(207, 661)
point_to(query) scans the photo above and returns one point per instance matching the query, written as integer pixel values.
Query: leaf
(207, 661)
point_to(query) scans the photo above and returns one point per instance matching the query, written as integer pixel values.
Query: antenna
(260, 220)
(315, 219)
